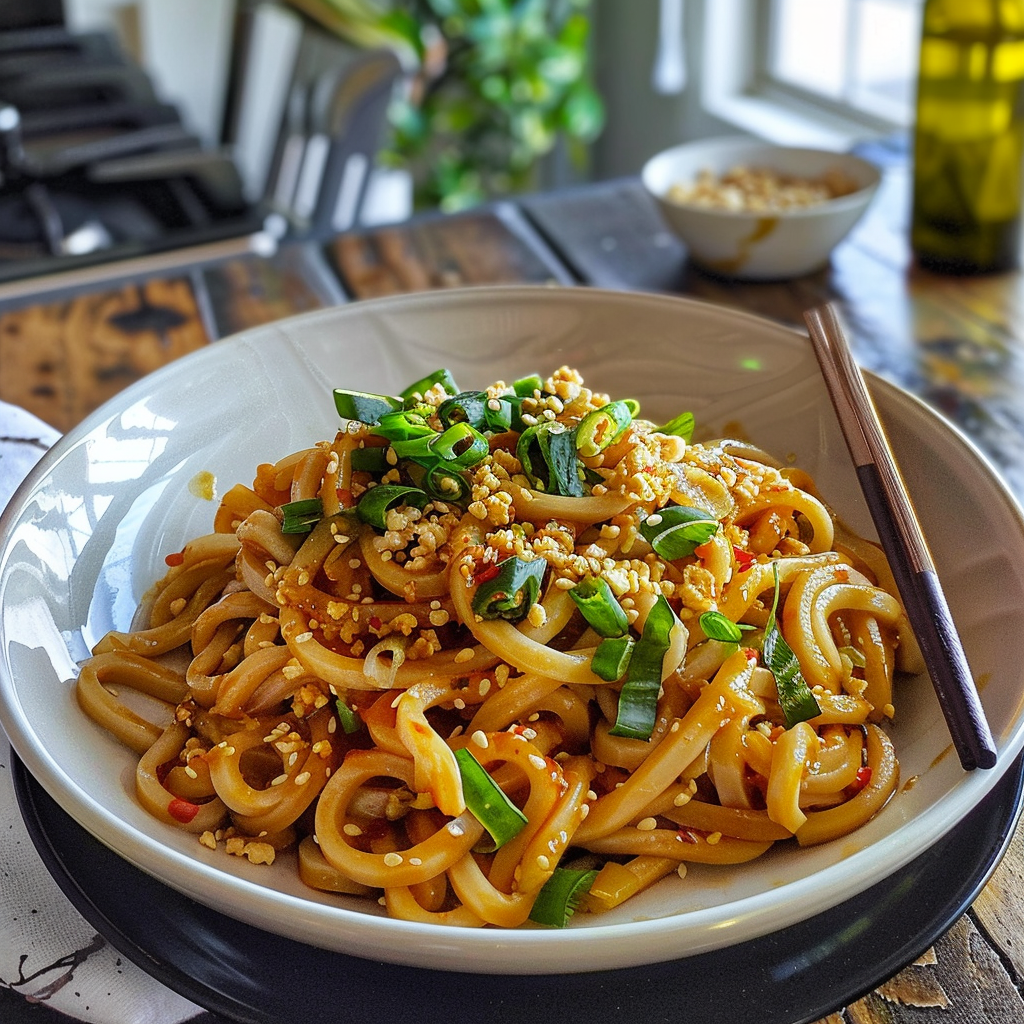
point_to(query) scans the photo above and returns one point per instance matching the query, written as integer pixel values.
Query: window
(808, 72)
(857, 55)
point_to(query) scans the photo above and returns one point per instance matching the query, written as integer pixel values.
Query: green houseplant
(494, 86)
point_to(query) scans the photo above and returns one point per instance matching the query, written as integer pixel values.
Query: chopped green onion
(717, 626)
(370, 460)
(461, 446)
(855, 655)
(638, 700)
(602, 427)
(547, 453)
(526, 386)
(681, 425)
(375, 504)
(560, 895)
(676, 531)
(795, 697)
(487, 801)
(363, 406)
(466, 407)
(612, 657)
(424, 384)
(511, 591)
(595, 600)
(301, 516)
(406, 425)
(350, 721)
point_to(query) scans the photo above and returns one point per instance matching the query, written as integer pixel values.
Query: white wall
(185, 46)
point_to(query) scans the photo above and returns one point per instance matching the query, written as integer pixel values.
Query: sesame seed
(466, 654)
(537, 761)
(479, 739)
(351, 829)
(647, 824)
(302, 778)
(714, 838)
(681, 870)
(392, 860)
(280, 779)
(543, 863)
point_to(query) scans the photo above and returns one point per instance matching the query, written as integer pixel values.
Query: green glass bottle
(969, 137)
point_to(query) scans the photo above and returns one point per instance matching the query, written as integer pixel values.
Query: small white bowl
(754, 245)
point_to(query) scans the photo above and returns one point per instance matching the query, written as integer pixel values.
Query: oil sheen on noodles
(488, 657)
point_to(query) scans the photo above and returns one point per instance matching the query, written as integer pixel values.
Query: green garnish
(487, 801)
(375, 504)
(638, 700)
(676, 531)
(301, 516)
(547, 453)
(795, 697)
(424, 384)
(560, 895)
(526, 386)
(603, 613)
(611, 659)
(717, 626)
(350, 721)
(681, 425)
(461, 446)
(602, 427)
(370, 460)
(364, 406)
(404, 425)
(509, 589)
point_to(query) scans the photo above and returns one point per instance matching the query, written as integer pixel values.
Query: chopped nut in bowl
(751, 210)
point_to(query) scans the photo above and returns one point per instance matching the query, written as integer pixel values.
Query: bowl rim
(856, 199)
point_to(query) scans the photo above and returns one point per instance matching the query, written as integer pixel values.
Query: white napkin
(48, 952)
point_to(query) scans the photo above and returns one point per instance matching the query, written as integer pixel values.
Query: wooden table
(957, 343)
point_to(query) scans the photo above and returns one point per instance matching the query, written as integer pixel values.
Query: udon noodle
(487, 657)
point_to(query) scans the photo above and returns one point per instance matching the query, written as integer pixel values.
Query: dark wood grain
(491, 246)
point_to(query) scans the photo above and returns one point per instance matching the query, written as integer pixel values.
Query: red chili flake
(486, 574)
(744, 559)
(175, 559)
(861, 779)
(344, 497)
(687, 836)
(375, 622)
(182, 810)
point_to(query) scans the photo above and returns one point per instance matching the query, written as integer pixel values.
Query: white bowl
(752, 245)
(86, 535)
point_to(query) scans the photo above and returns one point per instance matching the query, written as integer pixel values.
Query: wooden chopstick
(903, 542)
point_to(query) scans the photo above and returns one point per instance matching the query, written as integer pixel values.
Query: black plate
(793, 977)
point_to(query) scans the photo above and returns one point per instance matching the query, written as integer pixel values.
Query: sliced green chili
(375, 504)
(602, 427)
(560, 895)
(603, 613)
(547, 453)
(612, 657)
(487, 801)
(301, 516)
(717, 626)
(676, 531)
(795, 697)
(511, 591)
(424, 384)
(638, 699)
(681, 425)
(363, 406)
(350, 721)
